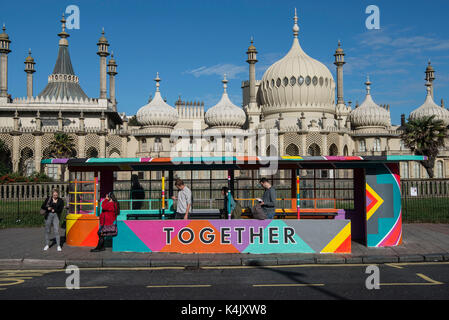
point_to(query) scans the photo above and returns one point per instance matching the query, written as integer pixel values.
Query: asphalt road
(397, 281)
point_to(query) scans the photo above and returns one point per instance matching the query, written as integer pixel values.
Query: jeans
(52, 219)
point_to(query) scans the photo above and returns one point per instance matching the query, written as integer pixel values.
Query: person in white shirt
(184, 200)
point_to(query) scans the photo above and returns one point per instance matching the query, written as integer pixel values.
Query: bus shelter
(304, 222)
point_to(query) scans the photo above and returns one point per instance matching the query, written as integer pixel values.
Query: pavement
(21, 248)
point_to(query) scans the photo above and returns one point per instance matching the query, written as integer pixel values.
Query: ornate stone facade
(297, 96)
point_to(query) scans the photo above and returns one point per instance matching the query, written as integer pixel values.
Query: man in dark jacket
(268, 202)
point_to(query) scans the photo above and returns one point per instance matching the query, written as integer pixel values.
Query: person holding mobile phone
(268, 201)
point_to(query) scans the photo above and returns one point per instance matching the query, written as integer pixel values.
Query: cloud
(231, 70)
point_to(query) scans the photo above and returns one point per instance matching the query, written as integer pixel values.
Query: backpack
(237, 212)
(258, 212)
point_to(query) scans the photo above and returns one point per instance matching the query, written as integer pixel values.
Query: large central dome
(297, 82)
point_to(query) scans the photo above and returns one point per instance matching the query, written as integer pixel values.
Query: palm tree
(62, 146)
(425, 137)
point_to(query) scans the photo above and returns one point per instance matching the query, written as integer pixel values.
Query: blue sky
(192, 43)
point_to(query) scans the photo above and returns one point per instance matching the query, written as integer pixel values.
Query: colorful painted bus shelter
(375, 219)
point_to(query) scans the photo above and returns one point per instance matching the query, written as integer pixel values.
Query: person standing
(53, 206)
(184, 204)
(109, 211)
(137, 193)
(268, 202)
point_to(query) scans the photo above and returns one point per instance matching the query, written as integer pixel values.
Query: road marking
(65, 288)
(393, 265)
(181, 286)
(2, 289)
(13, 281)
(290, 285)
(430, 282)
(428, 279)
(287, 266)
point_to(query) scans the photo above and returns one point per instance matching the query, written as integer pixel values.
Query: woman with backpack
(52, 209)
(109, 211)
(236, 209)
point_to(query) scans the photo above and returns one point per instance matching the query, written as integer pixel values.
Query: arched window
(439, 170)
(92, 153)
(144, 146)
(314, 150)
(157, 144)
(345, 151)
(272, 151)
(404, 170)
(333, 150)
(376, 146)
(416, 170)
(362, 146)
(292, 150)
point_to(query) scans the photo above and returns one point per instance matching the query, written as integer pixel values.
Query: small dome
(369, 114)
(102, 38)
(157, 112)
(4, 35)
(297, 81)
(29, 58)
(225, 113)
(430, 108)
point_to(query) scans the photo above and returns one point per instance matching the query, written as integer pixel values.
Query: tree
(425, 137)
(62, 147)
(133, 122)
(5, 158)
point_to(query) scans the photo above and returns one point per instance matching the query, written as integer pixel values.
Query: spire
(63, 82)
(295, 26)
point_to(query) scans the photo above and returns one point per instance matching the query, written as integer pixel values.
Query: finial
(442, 103)
(428, 87)
(368, 84)
(29, 51)
(157, 79)
(339, 43)
(225, 82)
(63, 34)
(4, 28)
(295, 26)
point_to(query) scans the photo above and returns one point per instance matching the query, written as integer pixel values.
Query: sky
(193, 43)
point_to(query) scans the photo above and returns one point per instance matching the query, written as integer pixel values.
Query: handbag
(44, 211)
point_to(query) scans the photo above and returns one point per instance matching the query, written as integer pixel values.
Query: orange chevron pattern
(374, 201)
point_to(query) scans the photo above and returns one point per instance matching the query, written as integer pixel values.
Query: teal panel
(299, 247)
(127, 241)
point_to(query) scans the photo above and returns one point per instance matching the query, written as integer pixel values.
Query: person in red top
(109, 211)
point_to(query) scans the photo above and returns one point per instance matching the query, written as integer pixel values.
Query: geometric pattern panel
(234, 236)
(383, 205)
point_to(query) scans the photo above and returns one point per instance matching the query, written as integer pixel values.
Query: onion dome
(225, 113)
(297, 81)
(369, 114)
(157, 112)
(430, 108)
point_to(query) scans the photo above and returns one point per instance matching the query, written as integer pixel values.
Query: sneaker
(59, 248)
(46, 248)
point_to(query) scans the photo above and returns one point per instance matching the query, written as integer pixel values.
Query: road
(397, 281)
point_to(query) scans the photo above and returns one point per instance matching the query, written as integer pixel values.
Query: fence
(425, 200)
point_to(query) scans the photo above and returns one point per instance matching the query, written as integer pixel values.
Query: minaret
(252, 107)
(4, 50)
(29, 69)
(339, 62)
(430, 76)
(103, 53)
(112, 71)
